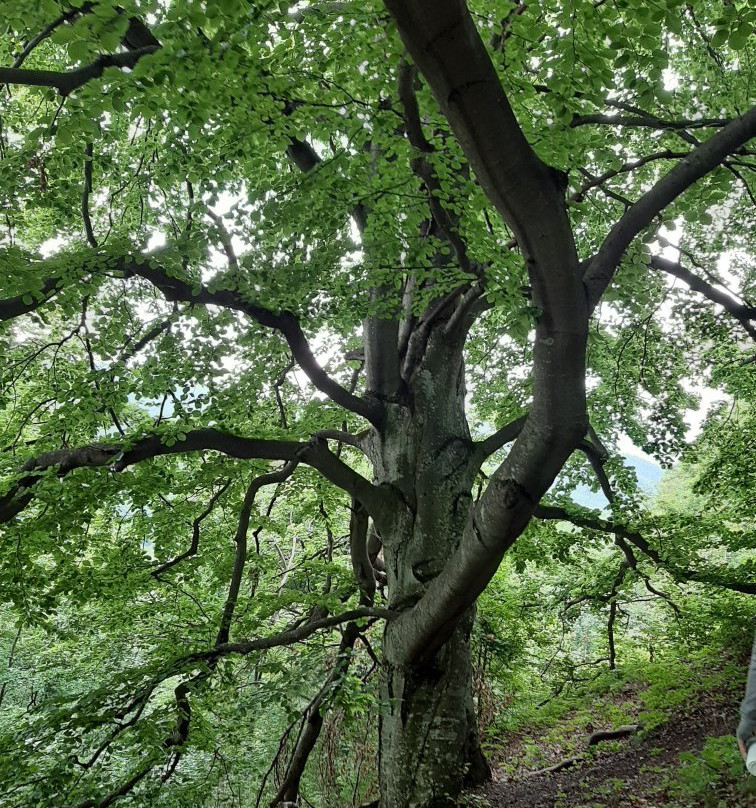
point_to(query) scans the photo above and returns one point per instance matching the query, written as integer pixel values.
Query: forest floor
(686, 761)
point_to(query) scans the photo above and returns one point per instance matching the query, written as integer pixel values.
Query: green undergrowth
(713, 777)
(641, 692)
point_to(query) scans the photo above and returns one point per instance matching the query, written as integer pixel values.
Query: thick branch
(341, 436)
(448, 223)
(240, 539)
(743, 314)
(312, 720)
(612, 734)
(358, 550)
(699, 162)
(66, 82)
(12, 307)
(315, 453)
(504, 435)
(380, 333)
(444, 42)
(287, 637)
(682, 573)
(176, 289)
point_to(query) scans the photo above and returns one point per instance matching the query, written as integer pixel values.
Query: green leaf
(79, 50)
(719, 38)
(740, 37)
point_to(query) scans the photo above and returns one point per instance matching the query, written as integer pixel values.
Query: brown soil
(629, 776)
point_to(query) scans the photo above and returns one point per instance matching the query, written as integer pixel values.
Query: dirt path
(629, 776)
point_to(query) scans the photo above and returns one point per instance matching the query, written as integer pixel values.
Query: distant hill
(648, 473)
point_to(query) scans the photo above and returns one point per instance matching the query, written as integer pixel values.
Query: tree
(442, 232)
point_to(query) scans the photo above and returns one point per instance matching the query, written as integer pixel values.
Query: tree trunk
(428, 736)
(429, 747)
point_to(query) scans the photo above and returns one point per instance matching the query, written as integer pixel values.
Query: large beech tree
(434, 252)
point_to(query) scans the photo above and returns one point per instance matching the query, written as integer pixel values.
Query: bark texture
(428, 733)
(429, 747)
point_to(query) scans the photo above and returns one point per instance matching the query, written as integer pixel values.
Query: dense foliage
(232, 232)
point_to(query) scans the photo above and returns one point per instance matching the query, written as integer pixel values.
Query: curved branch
(625, 168)
(48, 31)
(240, 538)
(504, 435)
(194, 546)
(743, 314)
(444, 42)
(380, 333)
(68, 81)
(649, 121)
(27, 302)
(447, 222)
(377, 500)
(699, 162)
(633, 562)
(589, 522)
(358, 550)
(176, 289)
(312, 720)
(341, 436)
(286, 637)
(597, 457)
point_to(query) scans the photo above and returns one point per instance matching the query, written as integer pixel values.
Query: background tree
(244, 233)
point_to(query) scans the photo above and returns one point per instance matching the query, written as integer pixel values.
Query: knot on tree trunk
(511, 492)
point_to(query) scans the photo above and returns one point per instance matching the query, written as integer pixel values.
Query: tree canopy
(312, 313)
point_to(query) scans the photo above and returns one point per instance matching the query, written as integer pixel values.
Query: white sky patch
(628, 449)
(231, 205)
(671, 79)
(157, 240)
(695, 418)
(51, 245)
(225, 202)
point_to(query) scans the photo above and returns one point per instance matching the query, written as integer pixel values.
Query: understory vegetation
(552, 665)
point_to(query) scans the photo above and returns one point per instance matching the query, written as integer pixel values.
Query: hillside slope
(688, 761)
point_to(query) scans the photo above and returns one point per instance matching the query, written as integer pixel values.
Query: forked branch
(118, 457)
(696, 164)
(286, 322)
(746, 315)
(585, 520)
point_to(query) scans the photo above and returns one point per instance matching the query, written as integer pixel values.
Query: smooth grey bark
(429, 747)
(443, 41)
(440, 550)
(428, 738)
(696, 164)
